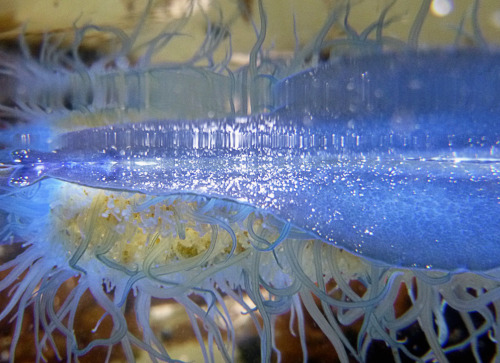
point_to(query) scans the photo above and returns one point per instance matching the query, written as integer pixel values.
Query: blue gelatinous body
(392, 157)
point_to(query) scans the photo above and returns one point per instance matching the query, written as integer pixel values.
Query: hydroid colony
(255, 186)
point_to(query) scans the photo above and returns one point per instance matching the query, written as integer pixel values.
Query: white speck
(441, 8)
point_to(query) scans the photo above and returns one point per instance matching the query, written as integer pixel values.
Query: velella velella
(259, 196)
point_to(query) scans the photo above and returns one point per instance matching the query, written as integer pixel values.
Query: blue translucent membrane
(391, 156)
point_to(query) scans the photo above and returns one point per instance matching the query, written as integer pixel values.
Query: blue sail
(392, 157)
